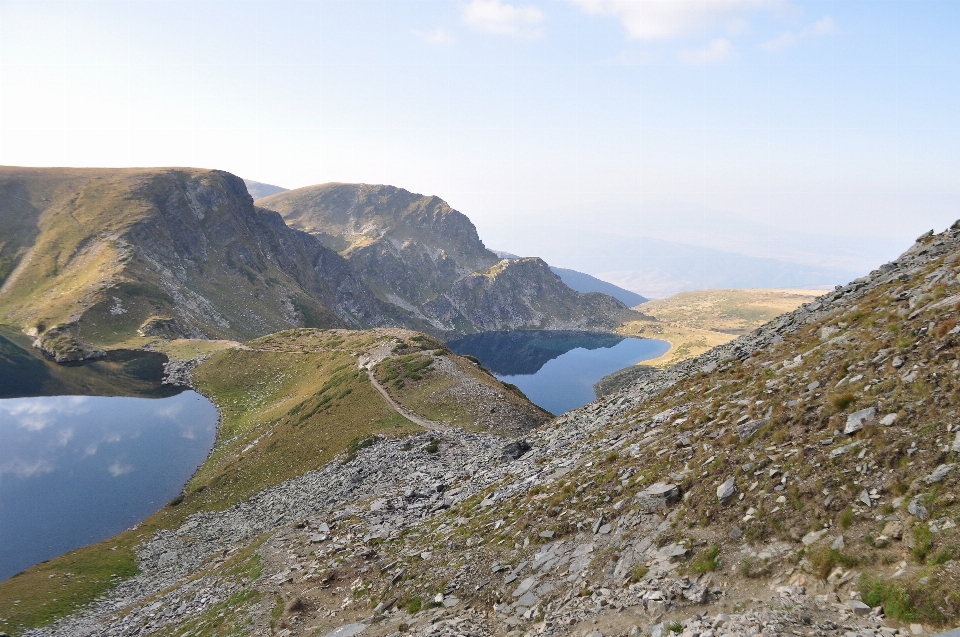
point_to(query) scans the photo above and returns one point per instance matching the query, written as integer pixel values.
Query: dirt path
(409, 415)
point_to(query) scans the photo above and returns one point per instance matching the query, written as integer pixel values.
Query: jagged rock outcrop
(423, 256)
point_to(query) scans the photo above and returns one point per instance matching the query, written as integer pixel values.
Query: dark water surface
(79, 469)
(557, 369)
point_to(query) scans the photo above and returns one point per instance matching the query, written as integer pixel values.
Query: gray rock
(727, 490)
(865, 498)
(674, 550)
(956, 443)
(348, 630)
(515, 450)
(838, 544)
(749, 428)
(859, 608)
(528, 599)
(525, 585)
(657, 496)
(166, 559)
(897, 362)
(546, 534)
(888, 420)
(939, 474)
(856, 419)
(813, 537)
(917, 510)
(735, 533)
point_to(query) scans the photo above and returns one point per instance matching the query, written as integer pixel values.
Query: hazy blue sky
(832, 117)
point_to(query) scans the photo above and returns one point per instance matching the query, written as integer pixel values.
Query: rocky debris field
(800, 480)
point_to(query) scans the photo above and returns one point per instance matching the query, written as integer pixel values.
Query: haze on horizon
(822, 133)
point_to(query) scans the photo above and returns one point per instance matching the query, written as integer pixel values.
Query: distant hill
(260, 190)
(582, 282)
(657, 268)
(421, 255)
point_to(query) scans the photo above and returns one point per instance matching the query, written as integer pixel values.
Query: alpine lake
(557, 369)
(77, 468)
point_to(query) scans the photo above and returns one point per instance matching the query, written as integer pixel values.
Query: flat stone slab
(856, 419)
(349, 630)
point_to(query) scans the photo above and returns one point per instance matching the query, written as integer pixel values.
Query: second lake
(557, 369)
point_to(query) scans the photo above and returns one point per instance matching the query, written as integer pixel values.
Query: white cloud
(823, 26)
(34, 414)
(667, 19)
(717, 51)
(438, 36)
(26, 469)
(117, 469)
(494, 16)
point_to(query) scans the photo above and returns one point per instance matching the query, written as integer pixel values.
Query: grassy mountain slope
(93, 255)
(419, 254)
(290, 403)
(801, 479)
(735, 312)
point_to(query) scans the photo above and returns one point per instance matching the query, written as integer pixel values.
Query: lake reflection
(78, 469)
(557, 369)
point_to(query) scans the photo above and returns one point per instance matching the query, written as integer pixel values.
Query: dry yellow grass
(685, 342)
(729, 311)
(694, 322)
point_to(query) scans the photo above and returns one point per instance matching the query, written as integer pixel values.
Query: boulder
(727, 490)
(749, 428)
(658, 496)
(515, 450)
(917, 510)
(856, 419)
(939, 474)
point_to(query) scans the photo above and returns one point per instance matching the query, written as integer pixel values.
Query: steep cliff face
(419, 254)
(95, 255)
(524, 293)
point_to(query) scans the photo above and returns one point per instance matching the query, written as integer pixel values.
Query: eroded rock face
(426, 258)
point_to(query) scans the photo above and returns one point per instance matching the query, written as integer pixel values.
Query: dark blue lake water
(79, 469)
(555, 369)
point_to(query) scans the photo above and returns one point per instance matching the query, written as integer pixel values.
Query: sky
(830, 118)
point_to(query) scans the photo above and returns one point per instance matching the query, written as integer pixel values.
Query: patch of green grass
(824, 559)
(675, 627)
(930, 603)
(707, 560)
(922, 543)
(638, 572)
(754, 568)
(846, 518)
(842, 401)
(414, 605)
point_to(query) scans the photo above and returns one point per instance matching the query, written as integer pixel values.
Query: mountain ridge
(418, 253)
